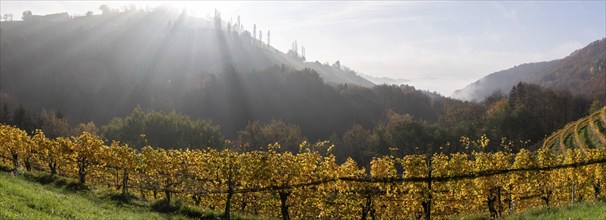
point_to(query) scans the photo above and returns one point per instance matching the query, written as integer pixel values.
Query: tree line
(525, 116)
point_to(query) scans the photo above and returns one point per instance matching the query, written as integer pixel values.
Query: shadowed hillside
(94, 68)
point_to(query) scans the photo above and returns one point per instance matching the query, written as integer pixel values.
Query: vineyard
(570, 167)
(586, 133)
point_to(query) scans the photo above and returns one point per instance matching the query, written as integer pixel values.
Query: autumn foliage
(311, 184)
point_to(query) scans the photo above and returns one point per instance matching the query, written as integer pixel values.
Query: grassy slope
(579, 211)
(24, 199)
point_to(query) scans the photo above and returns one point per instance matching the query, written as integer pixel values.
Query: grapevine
(309, 184)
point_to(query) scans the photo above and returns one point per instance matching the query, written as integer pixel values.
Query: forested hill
(102, 66)
(583, 72)
(164, 41)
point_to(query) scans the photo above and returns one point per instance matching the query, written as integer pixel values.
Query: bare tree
(217, 19)
(239, 25)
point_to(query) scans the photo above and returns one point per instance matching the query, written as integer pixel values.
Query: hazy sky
(439, 46)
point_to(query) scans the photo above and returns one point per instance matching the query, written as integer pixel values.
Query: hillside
(586, 133)
(165, 40)
(586, 210)
(99, 67)
(155, 43)
(24, 199)
(583, 72)
(501, 81)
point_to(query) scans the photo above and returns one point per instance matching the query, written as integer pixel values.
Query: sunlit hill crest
(96, 67)
(165, 42)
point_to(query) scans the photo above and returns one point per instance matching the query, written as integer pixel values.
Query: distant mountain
(502, 81)
(583, 73)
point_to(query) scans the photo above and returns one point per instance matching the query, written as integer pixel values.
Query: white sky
(438, 46)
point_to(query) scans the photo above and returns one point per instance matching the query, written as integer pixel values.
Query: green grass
(31, 196)
(579, 211)
(36, 196)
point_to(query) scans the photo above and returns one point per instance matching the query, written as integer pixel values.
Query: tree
(499, 121)
(261, 36)
(595, 105)
(54, 124)
(24, 119)
(357, 144)
(268, 38)
(7, 17)
(287, 135)
(163, 130)
(539, 111)
(104, 9)
(4, 114)
(294, 51)
(26, 15)
(256, 136)
(89, 127)
(494, 97)
(217, 20)
(89, 13)
(238, 25)
(337, 65)
(246, 35)
(251, 137)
